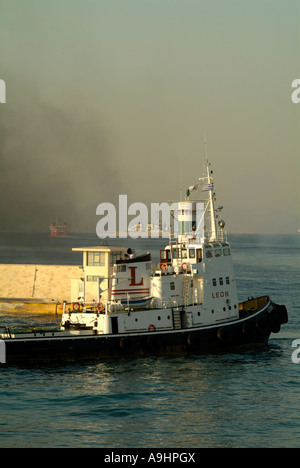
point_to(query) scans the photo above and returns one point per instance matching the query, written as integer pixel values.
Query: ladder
(176, 319)
(186, 288)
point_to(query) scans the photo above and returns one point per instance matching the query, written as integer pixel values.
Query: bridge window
(209, 253)
(96, 259)
(175, 252)
(226, 250)
(165, 255)
(114, 256)
(192, 253)
(94, 279)
(218, 252)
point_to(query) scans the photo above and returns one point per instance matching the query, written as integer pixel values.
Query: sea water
(246, 399)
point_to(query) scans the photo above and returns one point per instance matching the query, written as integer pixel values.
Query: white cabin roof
(100, 248)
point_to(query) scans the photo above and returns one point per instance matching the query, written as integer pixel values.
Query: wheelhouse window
(93, 279)
(209, 253)
(226, 250)
(175, 252)
(96, 259)
(114, 256)
(119, 268)
(218, 252)
(192, 253)
(165, 256)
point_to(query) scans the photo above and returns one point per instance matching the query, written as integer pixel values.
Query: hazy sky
(109, 97)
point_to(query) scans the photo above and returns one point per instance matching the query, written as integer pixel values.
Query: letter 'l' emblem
(133, 281)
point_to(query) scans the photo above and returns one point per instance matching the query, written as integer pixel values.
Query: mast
(211, 198)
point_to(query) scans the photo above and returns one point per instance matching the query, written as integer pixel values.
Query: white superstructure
(192, 286)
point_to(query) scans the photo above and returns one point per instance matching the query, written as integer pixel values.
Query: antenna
(180, 178)
(205, 145)
(211, 197)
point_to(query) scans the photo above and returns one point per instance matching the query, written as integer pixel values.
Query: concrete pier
(36, 288)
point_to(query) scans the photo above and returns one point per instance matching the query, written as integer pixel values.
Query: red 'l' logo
(133, 283)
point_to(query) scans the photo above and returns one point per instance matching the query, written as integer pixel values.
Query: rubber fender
(126, 344)
(193, 341)
(154, 344)
(275, 322)
(263, 327)
(283, 315)
(225, 335)
(249, 331)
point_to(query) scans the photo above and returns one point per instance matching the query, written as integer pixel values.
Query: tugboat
(187, 303)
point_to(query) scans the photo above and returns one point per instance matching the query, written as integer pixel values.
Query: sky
(109, 97)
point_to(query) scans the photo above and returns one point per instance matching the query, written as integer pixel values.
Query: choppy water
(233, 400)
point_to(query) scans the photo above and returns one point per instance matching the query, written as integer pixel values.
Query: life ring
(152, 327)
(100, 307)
(164, 266)
(76, 306)
(184, 266)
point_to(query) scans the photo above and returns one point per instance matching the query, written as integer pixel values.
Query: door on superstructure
(114, 325)
(165, 257)
(198, 255)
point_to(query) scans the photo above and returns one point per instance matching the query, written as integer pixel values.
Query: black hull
(248, 331)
